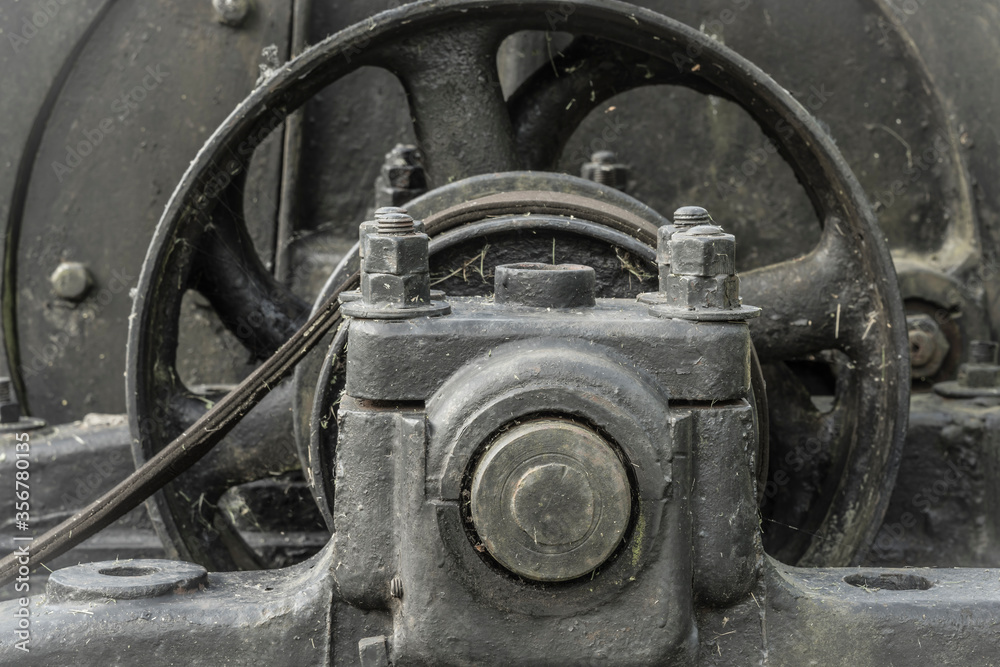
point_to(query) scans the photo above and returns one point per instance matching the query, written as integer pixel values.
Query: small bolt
(402, 177)
(395, 221)
(604, 168)
(396, 588)
(691, 215)
(983, 352)
(71, 281)
(231, 12)
(10, 410)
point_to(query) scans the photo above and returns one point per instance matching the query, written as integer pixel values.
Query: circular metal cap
(551, 500)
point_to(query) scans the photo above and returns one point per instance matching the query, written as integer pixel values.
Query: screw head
(231, 12)
(71, 281)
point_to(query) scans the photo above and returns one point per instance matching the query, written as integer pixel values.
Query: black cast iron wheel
(841, 297)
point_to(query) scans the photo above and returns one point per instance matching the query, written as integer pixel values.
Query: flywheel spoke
(260, 311)
(459, 114)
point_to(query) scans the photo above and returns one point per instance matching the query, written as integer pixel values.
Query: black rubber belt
(196, 441)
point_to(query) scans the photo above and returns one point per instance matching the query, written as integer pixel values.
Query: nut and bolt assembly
(697, 270)
(395, 269)
(604, 168)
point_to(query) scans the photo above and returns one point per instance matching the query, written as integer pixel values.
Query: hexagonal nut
(663, 235)
(404, 177)
(398, 255)
(703, 254)
(928, 345)
(696, 292)
(364, 229)
(979, 376)
(410, 290)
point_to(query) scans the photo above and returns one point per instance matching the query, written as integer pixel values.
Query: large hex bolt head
(928, 345)
(396, 254)
(704, 250)
(550, 500)
(684, 218)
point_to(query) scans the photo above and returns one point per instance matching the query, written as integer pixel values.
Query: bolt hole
(894, 581)
(129, 571)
